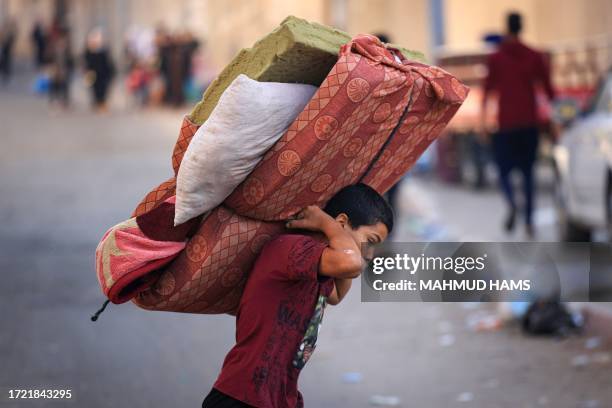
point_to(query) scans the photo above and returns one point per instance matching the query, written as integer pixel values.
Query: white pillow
(248, 119)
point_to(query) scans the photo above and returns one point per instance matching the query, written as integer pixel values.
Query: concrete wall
(406, 22)
(230, 25)
(236, 24)
(467, 21)
(115, 16)
(25, 13)
(547, 22)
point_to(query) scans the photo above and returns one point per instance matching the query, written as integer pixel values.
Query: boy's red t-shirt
(277, 324)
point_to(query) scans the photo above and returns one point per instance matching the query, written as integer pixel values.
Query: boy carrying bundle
(283, 302)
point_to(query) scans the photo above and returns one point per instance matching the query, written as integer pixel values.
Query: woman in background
(99, 67)
(8, 33)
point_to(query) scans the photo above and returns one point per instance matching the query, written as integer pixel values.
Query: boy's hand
(311, 218)
(342, 258)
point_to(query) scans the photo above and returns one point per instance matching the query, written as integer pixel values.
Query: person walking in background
(99, 68)
(188, 46)
(140, 56)
(8, 33)
(514, 72)
(39, 43)
(176, 72)
(178, 55)
(61, 64)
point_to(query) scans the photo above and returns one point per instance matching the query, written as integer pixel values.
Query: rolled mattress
(374, 114)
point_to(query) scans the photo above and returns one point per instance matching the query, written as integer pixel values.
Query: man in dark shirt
(514, 71)
(283, 302)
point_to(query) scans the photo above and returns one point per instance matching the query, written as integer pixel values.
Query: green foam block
(295, 52)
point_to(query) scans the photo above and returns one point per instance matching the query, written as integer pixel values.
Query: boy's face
(370, 235)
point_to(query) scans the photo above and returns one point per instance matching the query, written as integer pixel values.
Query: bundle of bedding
(287, 124)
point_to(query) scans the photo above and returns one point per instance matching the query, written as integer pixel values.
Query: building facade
(226, 26)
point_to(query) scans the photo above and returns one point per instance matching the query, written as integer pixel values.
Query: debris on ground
(492, 383)
(581, 360)
(518, 309)
(550, 317)
(515, 310)
(465, 397)
(385, 400)
(601, 358)
(589, 404)
(592, 343)
(446, 340)
(483, 322)
(352, 378)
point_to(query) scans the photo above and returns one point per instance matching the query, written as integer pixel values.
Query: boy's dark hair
(514, 23)
(363, 206)
(384, 38)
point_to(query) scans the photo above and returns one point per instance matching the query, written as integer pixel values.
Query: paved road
(65, 178)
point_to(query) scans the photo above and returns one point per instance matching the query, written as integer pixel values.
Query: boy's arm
(342, 258)
(341, 288)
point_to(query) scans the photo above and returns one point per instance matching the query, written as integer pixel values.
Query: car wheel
(569, 230)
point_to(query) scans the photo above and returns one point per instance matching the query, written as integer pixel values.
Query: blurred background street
(68, 177)
(71, 168)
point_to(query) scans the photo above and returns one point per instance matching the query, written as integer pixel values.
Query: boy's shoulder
(291, 242)
(293, 256)
(289, 239)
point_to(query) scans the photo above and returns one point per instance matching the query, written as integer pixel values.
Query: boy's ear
(343, 219)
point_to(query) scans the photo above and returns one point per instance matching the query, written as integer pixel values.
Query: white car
(583, 163)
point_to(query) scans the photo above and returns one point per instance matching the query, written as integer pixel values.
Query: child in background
(137, 83)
